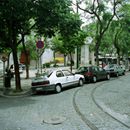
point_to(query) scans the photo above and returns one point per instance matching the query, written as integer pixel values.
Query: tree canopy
(102, 14)
(16, 18)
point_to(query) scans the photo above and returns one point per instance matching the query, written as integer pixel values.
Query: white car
(56, 80)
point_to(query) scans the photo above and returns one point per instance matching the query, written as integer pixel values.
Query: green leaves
(106, 16)
(70, 25)
(50, 14)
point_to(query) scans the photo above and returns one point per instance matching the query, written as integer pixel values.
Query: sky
(85, 17)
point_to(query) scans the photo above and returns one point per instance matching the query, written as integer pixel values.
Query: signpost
(39, 45)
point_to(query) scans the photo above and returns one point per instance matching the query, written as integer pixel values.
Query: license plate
(39, 89)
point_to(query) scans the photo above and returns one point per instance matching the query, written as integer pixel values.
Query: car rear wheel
(58, 88)
(94, 79)
(81, 82)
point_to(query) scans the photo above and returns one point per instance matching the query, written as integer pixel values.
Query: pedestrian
(11, 71)
(7, 82)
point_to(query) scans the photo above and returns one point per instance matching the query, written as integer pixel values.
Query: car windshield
(81, 69)
(44, 75)
(47, 74)
(109, 66)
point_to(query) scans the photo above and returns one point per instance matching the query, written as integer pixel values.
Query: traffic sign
(40, 44)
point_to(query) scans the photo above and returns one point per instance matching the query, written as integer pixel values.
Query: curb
(15, 95)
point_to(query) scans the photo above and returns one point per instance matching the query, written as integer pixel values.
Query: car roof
(57, 69)
(89, 66)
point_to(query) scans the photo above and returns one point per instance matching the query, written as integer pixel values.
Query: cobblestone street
(98, 106)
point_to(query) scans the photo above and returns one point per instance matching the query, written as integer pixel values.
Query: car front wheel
(58, 88)
(108, 76)
(94, 79)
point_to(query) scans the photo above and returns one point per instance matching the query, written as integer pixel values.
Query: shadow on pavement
(6, 103)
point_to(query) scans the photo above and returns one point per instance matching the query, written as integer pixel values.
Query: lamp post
(39, 45)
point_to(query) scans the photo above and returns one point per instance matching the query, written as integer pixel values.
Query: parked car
(123, 67)
(93, 73)
(22, 66)
(20, 69)
(55, 80)
(114, 70)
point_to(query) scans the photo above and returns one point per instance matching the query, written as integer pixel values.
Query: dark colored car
(93, 73)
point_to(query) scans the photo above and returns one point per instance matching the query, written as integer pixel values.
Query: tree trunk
(96, 53)
(16, 65)
(71, 60)
(26, 58)
(65, 63)
(118, 56)
(54, 56)
(13, 46)
(77, 62)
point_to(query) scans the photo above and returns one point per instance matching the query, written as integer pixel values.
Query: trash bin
(7, 82)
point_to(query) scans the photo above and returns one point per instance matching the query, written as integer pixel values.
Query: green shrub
(46, 65)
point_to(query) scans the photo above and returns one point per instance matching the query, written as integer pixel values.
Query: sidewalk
(25, 83)
(10, 92)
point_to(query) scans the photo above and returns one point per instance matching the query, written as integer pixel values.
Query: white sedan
(56, 80)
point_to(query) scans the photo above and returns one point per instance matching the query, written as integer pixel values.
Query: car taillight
(40, 83)
(89, 74)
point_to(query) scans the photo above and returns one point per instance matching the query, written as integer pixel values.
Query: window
(59, 74)
(96, 69)
(82, 69)
(86, 69)
(67, 73)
